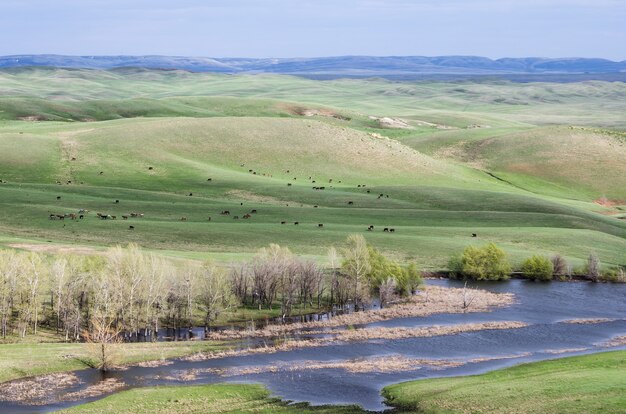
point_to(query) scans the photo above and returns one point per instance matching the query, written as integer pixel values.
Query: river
(291, 375)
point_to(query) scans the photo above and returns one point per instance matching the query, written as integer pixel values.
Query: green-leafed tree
(538, 268)
(485, 263)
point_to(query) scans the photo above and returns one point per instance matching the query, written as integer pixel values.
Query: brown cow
(183, 219)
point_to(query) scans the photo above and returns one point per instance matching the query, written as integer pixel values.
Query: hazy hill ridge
(347, 65)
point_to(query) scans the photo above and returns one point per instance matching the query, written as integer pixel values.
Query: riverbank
(589, 383)
(21, 360)
(584, 384)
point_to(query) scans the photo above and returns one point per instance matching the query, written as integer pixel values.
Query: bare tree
(240, 279)
(103, 339)
(468, 297)
(267, 268)
(290, 280)
(593, 267)
(214, 292)
(560, 266)
(387, 291)
(153, 293)
(9, 265)
(30, 278)
(356, 265)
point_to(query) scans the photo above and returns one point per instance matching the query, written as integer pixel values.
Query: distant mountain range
(333, 66)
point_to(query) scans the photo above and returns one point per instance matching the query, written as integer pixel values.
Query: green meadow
(583, 384)
(536, 168)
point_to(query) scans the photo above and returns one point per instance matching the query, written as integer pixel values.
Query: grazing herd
(82, 212)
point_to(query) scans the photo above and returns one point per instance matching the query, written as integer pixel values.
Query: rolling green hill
(464, 158)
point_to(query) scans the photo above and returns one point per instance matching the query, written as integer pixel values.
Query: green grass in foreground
(219, 398)
(26, 359)
(584, 384)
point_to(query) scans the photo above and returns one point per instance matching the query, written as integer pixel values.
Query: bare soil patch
(391, 123)
(308, 112)
(31, 118)
(605, 202)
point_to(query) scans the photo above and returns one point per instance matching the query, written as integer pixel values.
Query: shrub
(485, 263)
(561, 269)
(592, 270)
(615, 275)
(406, 279)
(538, 268)
(455, 266)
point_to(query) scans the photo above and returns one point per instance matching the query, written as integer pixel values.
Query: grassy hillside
(570, 162)
(468, 158)
(587, 384)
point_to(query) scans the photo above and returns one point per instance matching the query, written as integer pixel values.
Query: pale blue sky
(304, 28)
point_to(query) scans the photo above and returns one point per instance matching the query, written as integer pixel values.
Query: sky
(310, 28)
